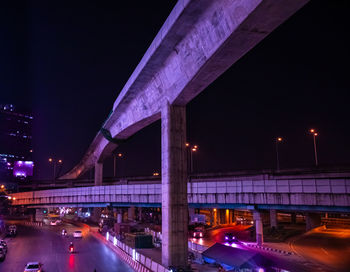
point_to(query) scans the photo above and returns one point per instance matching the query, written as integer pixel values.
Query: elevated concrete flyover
(322, 192)
(197, 43)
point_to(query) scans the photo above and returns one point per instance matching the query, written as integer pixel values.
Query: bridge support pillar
(96, 214)
(273, 219)
(140, 213)
(119, 218)
(258, 228)
(293, 218)
(98, 173)
(174, 187)
(131, 213)
(313, 220)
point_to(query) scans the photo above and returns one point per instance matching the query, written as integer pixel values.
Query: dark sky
(66, 61)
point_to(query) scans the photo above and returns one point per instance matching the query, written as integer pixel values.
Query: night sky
(67, 61)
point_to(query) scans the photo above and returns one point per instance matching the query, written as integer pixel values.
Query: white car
(78, 234)
(33, 267)
(55, 222)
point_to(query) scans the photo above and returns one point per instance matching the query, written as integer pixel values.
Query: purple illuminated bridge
(197, 43)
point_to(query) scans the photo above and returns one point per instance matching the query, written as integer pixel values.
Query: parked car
(78, 234)
(33, 267)
(2, 254)
(12, 230)
(3, 244)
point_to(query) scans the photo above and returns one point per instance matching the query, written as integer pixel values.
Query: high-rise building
(15, 142)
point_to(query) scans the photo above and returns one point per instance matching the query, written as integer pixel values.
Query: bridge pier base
(96, 214)
(174, 187)
(313, 220)
(273, 219)
(131, 213)
(258, 228)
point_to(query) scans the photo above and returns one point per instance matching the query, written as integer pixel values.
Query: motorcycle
(71, 248)
(64, 233)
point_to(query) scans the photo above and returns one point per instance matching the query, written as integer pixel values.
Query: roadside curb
(271, 249)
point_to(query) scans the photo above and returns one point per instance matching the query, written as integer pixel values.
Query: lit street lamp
(120, 156)
(278, 140)
(55, 162)
(314, 134)
(192, 149)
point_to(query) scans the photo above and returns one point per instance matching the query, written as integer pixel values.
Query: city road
(47, 246)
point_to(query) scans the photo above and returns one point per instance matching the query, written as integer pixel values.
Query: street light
(278, 140)
(120, 156)
(314, 134)
(192, 149)
(55, 162)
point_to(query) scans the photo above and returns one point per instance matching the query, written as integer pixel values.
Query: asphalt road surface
(292, 263)
(330, 247)
(47, 246)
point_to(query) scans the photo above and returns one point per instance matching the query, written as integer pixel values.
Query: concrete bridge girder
(197, 43)
(188, 54)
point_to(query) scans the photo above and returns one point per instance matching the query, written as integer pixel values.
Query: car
(229, 237)
(198, 233)
(78, 234)
(2, 254)
(12, 230)
(33, 267)
(3, 245)
(4, 249)
(55, 222)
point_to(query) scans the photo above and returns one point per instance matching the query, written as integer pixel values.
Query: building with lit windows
(15, 144)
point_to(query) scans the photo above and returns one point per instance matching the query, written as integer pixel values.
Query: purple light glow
(23, 169)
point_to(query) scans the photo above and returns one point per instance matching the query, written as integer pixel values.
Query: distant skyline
(67, 62)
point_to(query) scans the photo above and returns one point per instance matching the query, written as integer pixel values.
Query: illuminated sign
(23, 169)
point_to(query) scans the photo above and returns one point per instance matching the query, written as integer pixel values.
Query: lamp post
(55, 162)
(314, 134)
(118, 155)
(192, 149)
(278, 140)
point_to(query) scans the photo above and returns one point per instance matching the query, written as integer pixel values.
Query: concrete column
(215, 216)
(140, 214)
(273, 219)
(232, 218)
(39, 215)
(131, 213)
(174, 187)
(98, 173)
(191, 213)
(96, 214)
(313, 220)
(258, 228)
(119, 218)
(227, 216)
(293, 218)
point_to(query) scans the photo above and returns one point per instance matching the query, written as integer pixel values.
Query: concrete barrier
(33, 224)
(134, 259)
(270, 249)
